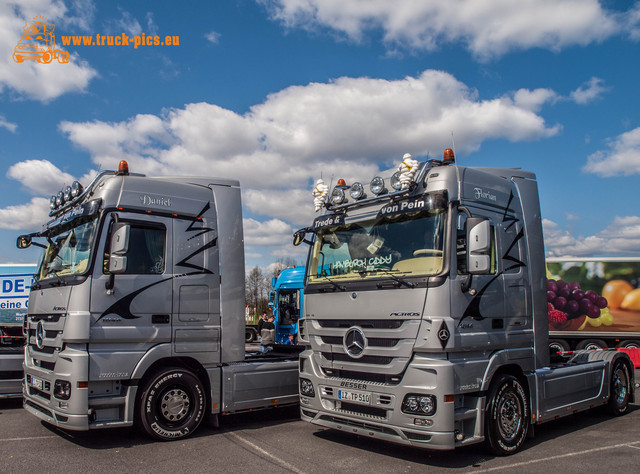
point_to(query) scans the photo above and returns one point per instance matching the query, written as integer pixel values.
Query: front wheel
(507, 416)
(172, 404)
(619, 390)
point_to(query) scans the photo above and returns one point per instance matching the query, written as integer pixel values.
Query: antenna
(453, 144)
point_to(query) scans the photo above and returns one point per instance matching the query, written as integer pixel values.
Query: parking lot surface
(276, 441)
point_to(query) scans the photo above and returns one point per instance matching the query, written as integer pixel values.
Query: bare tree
(280, 264)
(256, 289)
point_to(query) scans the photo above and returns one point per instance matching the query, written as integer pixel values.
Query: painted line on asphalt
(561, 456)
(27, 439)
(265, 453)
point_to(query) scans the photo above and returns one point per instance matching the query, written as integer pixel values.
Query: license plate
(357, 397)
(37, 383)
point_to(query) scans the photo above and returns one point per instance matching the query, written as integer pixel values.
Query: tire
(507, 415)
(619, 390)
(172, 404)
(558, 345)
(629, 344)
(591, 344)
(250, 335)
(46, 58)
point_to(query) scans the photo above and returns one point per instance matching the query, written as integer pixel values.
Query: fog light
(417, 404)
(395, 181)
(62, 389)
(377, 185)
(357, 191)
(67, 193)
(76, 189)
(306, 388)
(337, 196)
(53, 203)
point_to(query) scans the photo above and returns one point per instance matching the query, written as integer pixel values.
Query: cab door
(131, 311)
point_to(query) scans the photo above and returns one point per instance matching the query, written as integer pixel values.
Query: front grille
(373, 342)
(364, 324)
(38, 408)
(357, 424)
(363, 410)
(44, 364)
(378, 360)
(44, 350)
(363, 376)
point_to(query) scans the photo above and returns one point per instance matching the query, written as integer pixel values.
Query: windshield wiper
(401, 281)
(335, 285)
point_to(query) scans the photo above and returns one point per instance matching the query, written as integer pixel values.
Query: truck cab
(426, 316)
(286, 301)
(136, 314)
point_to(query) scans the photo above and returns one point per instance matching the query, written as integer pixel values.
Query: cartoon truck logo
(39, 43)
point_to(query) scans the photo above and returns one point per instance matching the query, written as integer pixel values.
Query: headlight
(62, 389)
(337, 196)
(395, 181)
(377, 185)
(357, 191)
(306, 388)
(416, 404)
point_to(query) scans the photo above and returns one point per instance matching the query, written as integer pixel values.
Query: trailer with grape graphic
(594, 303)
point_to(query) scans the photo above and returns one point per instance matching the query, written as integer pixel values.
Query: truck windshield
(385, 247)
(68, 251)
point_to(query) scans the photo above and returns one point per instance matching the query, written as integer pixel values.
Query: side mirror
(24, 241)
(478, 245)
(298, 237)
(119, 247)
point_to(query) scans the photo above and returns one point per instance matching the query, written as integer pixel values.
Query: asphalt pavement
(277, 441)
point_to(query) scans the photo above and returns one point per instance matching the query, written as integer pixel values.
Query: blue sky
(276, 92)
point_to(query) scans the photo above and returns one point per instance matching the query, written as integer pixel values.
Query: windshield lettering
(405, 240)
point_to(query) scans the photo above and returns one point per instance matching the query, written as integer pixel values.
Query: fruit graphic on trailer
(631, 300)
(615, 291)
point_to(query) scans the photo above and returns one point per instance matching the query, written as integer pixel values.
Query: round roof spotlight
(66, 192)
(52, 203)
(76, 189)
(59, 199)
(337, 196)
(395, 181)
(357, 191)
(377, 185)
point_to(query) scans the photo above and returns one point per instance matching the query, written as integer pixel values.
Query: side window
(461, 245)
(147, 249)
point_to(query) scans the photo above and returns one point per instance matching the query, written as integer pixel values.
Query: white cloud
(213, 37)
(269, 233)
(488, 29)
(4, 123)
(622, 157)
(620, 238)
(42, 82)
(348, 128)
(25, 216)
(40, 177)
(127, 23)
(588, 92)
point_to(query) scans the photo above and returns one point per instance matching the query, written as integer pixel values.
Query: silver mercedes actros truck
(136, 314)
(426, 320)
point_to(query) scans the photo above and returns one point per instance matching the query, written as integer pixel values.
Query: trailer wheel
(619, 390)
(558, 345)
(172, 404)
(507, 415)
(250, 335)
(629, 345)
(591, 344)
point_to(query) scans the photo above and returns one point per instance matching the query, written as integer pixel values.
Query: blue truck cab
(286, 301)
